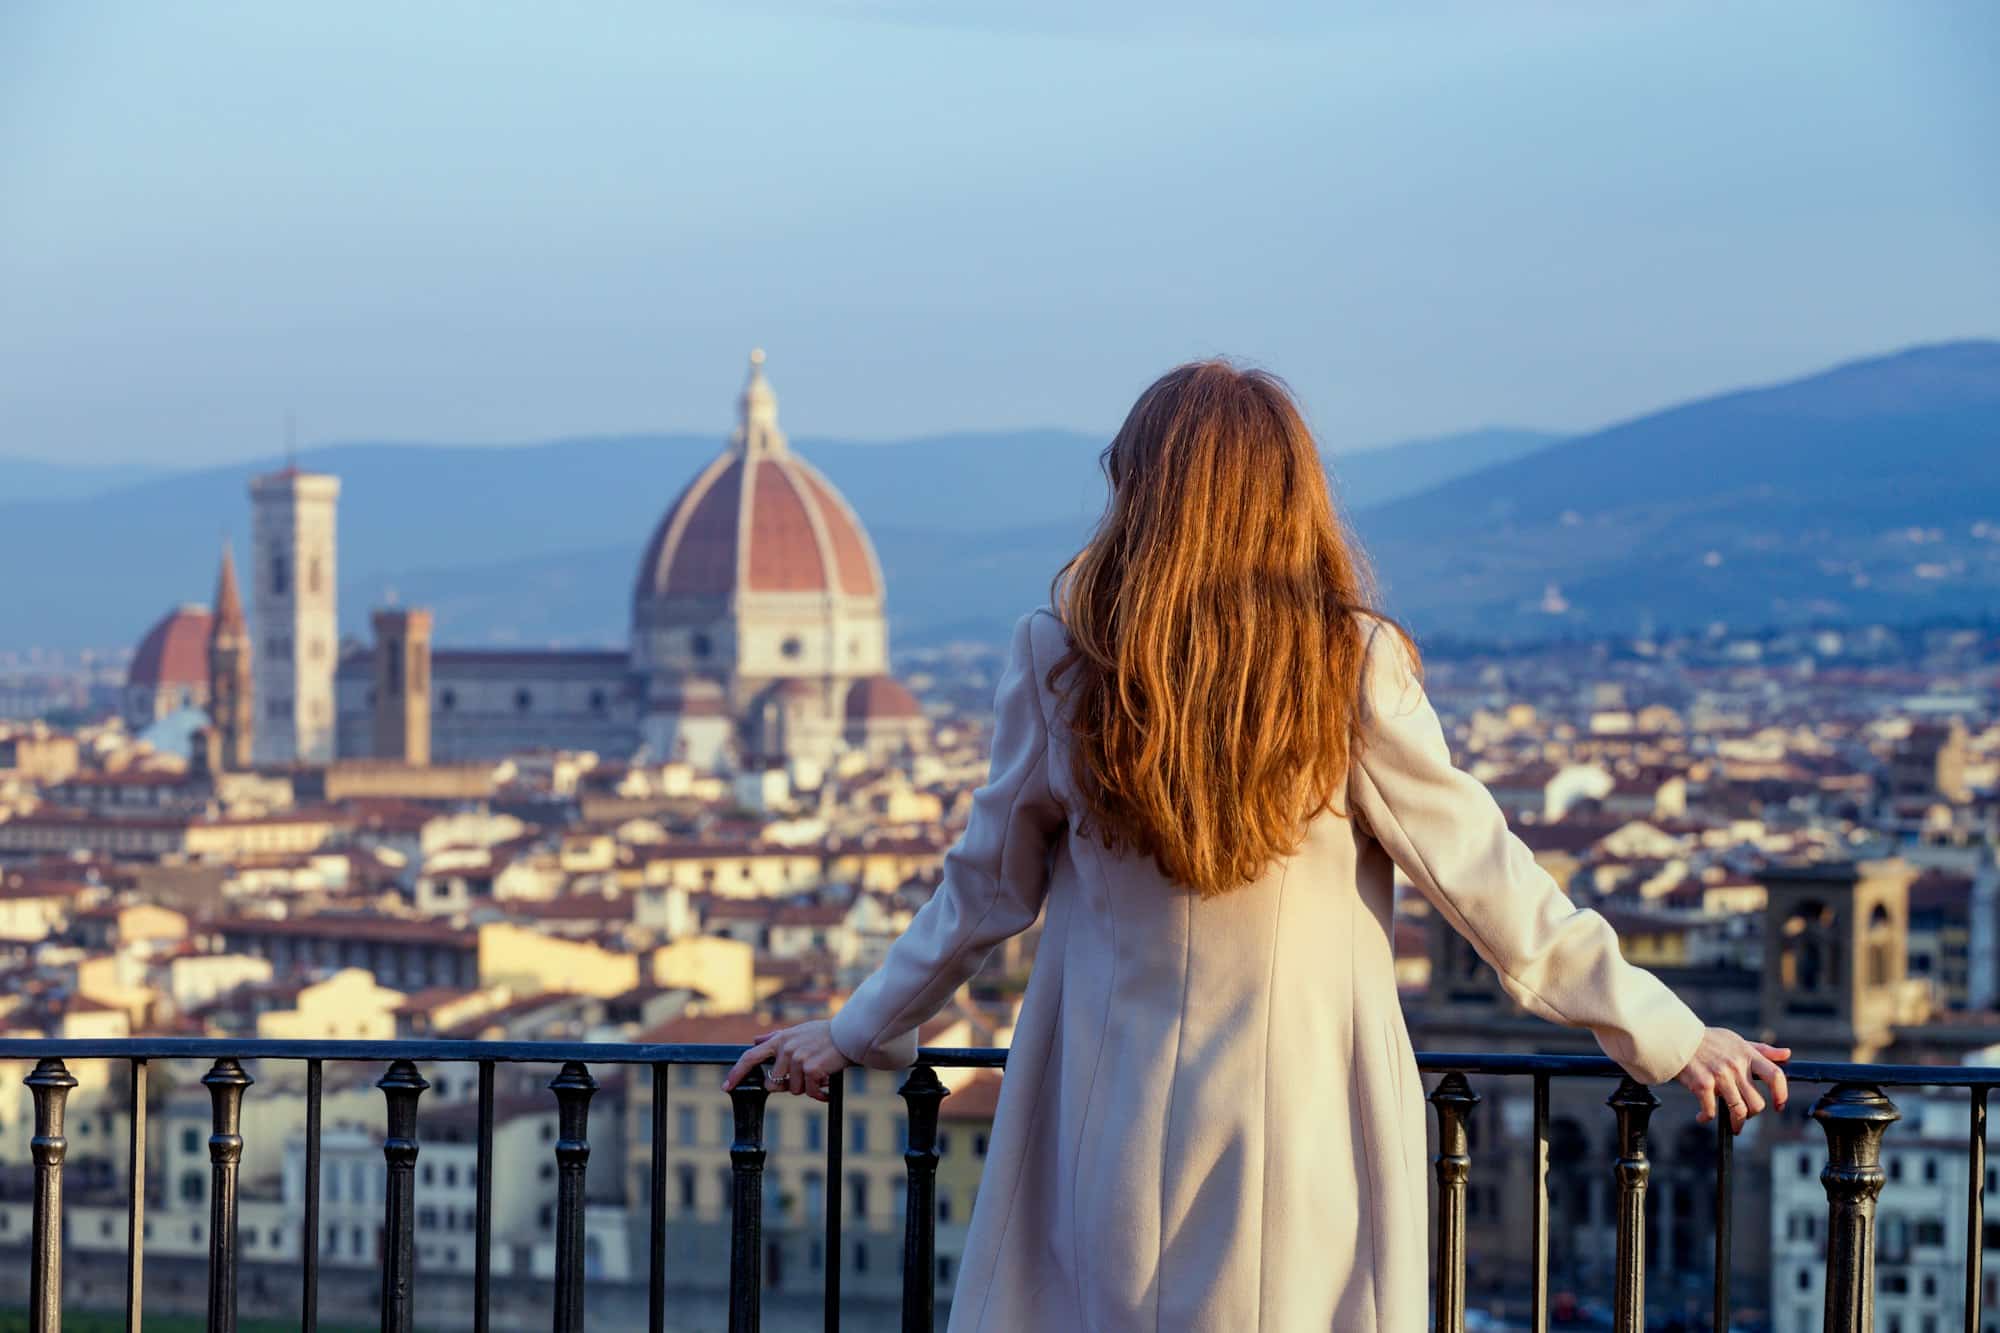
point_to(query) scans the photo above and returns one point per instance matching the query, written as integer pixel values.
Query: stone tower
(231, 689)
(403, 685)
(292, 582)
(1836, 953)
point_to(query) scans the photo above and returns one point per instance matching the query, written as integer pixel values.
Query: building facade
(758, 638)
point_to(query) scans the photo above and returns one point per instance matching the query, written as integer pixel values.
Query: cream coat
(1211, 1118)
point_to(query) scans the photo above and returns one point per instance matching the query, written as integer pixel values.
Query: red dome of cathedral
(174, 651)
(758, 519)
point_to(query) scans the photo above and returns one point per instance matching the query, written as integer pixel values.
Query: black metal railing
(1854, 1113)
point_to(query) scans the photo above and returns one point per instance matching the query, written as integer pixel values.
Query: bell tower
(1836, 954)
(403, 685)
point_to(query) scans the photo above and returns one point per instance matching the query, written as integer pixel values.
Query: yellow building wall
(529, 963)
(724, 969)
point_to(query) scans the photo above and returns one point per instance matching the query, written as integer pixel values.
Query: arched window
(1881, 946)
(1806, 960)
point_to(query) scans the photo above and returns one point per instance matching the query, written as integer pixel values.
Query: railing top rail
(455, 1050)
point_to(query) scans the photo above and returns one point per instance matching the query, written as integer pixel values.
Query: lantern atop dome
(757, 413)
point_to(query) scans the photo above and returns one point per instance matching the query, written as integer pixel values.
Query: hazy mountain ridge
(1856, 493)
(537, 543)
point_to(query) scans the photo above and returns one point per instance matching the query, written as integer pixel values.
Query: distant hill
(1869, 491)
(537, 543)
(1377, 476)
(38, 479)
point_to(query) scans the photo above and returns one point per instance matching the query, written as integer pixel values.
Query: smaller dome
(174, 651)
(881, 698)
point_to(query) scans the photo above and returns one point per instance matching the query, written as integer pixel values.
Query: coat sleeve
(1445, 831)
(995, 878)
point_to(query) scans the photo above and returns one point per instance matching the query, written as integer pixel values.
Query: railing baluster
(834, 1195)
(309, 1242)
(1633, 1104)
(1538, 1278)
(746, 1207)
(50, 1084)
(1854, 1116)
(573, 1087)
(225, 1081)
(921, 1092)
(1725, 1176)
(1454, 1099)
(135, 1206)
(482, 1217)
(656, 1270)
(401, 1087)
(1975, 1210)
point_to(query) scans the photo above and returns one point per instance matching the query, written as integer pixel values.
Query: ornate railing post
(401, 1087)
(573, 1087)
(1454, 1099)
(746, 1209)
(1854, 1116)
(49, 1084)
(1634, 1104)
(225, 1082)
(922, 1092)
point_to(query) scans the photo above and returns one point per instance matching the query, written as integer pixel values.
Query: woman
(1205, 772)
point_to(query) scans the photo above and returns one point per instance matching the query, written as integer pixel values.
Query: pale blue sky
(512, 221)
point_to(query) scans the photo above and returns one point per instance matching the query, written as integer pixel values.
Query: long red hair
(1216, 644)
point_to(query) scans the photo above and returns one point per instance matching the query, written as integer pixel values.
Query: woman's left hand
(802, 1059)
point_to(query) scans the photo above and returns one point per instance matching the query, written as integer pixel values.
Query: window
(725, 1125)
(597, 701)
(700, 645)
(686, 1174)
(190, 1141)
(447, 700)
(792, 646)
(857, 1134)
(281, 579)
(523, 701)
(815, 1132)
(857, 1196)
(192, 1186)
(860, 1256)
(772, 1137)
(684, 1125)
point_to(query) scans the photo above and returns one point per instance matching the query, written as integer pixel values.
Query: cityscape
(265, 829)
(458, 692)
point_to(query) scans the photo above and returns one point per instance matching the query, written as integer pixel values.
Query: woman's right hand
(1723, 1067)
